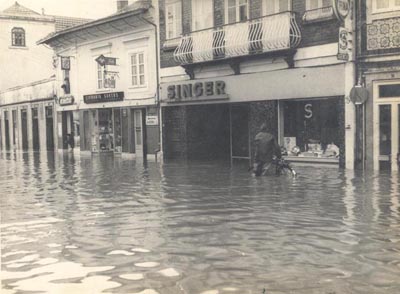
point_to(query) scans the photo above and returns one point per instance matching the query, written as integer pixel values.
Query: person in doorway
(266, 148)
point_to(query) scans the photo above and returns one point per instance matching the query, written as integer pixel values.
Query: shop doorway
(208, 132)
(240, 133)
(386, 132)
(49, 128)
(106, 134)
(35, 129)
(138, 117)
(389, 136)
(117, 131)
(24, 129)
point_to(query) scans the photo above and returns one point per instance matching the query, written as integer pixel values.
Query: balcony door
(202, 18)
(236, 11)
(276, 6)
(202, 14)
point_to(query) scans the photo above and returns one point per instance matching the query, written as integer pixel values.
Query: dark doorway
(125, 130)
(49, 128)
(86, 132)
(208, 132)
(240, 143)
(7, 130)
(132, 132)
(15, 127)
(35, 129)
(24, 129)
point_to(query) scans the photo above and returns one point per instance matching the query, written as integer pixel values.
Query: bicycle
(278, 167)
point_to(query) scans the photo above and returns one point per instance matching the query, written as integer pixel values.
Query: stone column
(42, 127)
(350, 118)
(29, 126)
(19, 125)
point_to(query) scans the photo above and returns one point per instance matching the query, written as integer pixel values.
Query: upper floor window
(138, 72)
(276, 6)
(173, 18)
(385, 5)
(236, 10)
(202, 14)
(18, 37)
(316, 4)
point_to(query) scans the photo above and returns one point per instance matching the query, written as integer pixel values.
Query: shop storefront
(218, 118)
(107, 126)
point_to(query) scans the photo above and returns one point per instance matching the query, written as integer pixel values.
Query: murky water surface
(74, 224)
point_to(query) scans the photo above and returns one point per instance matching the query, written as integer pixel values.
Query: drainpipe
(157, 81)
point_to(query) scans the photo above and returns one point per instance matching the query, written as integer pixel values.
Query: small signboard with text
(103, 60)
(343, 45)
(104, 97)
(66, 100)
(151, 120)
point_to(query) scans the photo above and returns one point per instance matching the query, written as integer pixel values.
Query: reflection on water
(75, 224)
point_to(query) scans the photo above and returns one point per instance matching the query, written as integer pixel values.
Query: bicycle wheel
(288, 171)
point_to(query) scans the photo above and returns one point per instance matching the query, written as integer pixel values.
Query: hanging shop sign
(65, 63)
(104, 97)
(343, 45)
(197, 91)
(110, 79)
(151, 120)
(103, 60)
(341, 9)
(66, 100)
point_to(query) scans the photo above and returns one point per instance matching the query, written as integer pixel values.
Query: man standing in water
(266, 148)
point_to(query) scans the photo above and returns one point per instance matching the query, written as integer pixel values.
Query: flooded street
(76, 224)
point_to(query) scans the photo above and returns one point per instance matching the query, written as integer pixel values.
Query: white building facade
(106, 81)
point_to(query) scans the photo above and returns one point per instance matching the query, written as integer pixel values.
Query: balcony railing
(266, 34)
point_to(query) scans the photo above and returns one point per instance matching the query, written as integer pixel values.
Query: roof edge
(94, 23)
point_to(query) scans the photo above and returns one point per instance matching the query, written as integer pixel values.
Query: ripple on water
(147, 264)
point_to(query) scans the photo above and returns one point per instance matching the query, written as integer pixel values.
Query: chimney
(121, 4)
(42, 11)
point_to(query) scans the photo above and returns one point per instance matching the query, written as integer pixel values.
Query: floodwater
(88, 225)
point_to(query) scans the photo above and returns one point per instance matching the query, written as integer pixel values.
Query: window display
(311, 128)
(106, 136)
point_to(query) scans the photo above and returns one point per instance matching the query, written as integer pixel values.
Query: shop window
(18, 37)
(385, 5)
(276, 6)
(138, 71)
(311, 128)
(236, 10)
(173, 18)
(202, 14)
